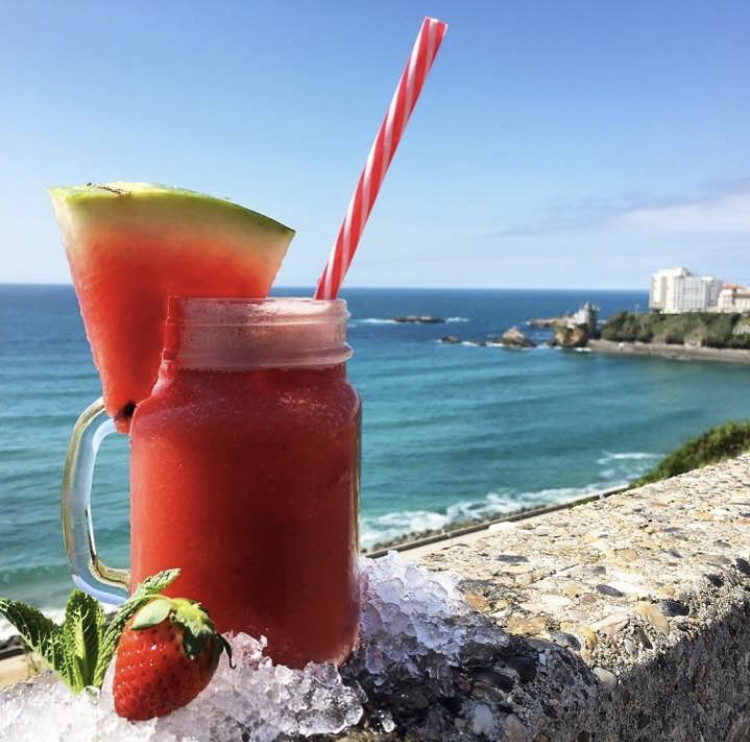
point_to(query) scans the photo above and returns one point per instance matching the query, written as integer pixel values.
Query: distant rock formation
(514, 338)
(572, 330)
(550, 321)
(421, 319)
(570, 337)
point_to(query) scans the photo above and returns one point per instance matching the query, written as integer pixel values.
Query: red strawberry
(167, 655)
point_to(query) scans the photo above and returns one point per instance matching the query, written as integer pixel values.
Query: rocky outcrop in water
(570, 337)
(550, 321)
(514, 338)
(419, 319)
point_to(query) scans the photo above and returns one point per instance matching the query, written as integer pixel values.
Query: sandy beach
(674, 352)
(17, 668)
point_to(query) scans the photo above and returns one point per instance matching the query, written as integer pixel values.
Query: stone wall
(622, 619)
(676, 352)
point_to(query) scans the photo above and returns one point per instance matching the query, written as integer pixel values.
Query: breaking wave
(625, 466)
(377, 529)
(635, 456)
(374, 321)
(390, 321)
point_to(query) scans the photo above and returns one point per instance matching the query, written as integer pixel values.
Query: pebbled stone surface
(623, 619)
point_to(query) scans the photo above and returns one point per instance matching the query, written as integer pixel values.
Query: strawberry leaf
(152, 613)
(198, 628)
(155, 584)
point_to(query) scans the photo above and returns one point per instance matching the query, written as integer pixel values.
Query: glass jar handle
(89, 572)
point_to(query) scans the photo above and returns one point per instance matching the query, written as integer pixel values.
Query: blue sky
(556, 144)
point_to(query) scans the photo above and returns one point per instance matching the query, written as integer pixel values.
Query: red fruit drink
(245, 471)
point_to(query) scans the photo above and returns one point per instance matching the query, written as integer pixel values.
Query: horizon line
(344, 289)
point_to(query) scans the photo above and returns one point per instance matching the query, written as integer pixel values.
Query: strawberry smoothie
(245, 469)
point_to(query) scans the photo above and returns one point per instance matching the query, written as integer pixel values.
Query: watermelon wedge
(132, 245)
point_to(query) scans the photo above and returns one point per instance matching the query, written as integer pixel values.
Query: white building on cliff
(677, 290)
(734, 298)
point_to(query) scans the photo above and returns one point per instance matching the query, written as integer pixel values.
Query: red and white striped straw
(381, 153)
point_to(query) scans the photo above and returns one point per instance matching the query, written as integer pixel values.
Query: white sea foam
(624, 467)
(635, 456)
(385, 527)
(391, 321)
(382, 528)
(377, 321)
(408, 624)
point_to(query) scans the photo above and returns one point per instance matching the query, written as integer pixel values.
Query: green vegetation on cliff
(719, 443)
(713, 330)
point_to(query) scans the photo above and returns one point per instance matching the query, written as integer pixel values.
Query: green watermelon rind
(156, 208)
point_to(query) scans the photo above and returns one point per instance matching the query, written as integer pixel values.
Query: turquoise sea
(450, 431)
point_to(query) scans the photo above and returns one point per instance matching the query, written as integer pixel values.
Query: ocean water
(449, 431)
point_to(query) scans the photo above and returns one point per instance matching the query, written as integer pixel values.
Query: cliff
(697, 329)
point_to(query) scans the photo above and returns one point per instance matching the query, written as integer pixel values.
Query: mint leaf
(41, 634)
(72, 649)
(82, 634)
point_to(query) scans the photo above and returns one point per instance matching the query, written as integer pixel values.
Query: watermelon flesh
(131, 246)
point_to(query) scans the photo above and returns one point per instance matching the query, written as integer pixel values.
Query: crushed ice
(408, 623)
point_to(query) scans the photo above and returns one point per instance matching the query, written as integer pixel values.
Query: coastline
(436, 536)
(673, 352)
